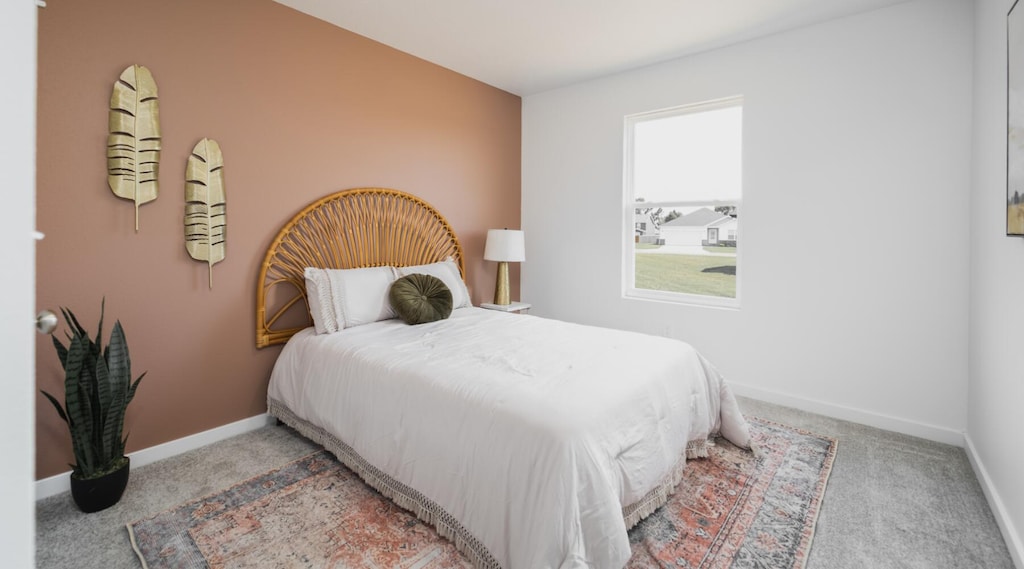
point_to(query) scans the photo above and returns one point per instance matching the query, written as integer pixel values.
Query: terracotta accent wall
(301, 109)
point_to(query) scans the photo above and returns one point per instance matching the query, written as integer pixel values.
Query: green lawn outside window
(692, 274)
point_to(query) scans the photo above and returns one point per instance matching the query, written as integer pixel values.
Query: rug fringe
(135, 546)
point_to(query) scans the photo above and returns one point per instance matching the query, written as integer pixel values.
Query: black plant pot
(95, 494)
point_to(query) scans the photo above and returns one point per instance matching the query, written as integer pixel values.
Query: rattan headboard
(363, 227)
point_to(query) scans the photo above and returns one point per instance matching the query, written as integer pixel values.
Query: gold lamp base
(501, 285)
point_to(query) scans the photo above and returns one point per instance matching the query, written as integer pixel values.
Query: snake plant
(97, 389)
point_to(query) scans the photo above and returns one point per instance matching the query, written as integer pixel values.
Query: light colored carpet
(892, 500)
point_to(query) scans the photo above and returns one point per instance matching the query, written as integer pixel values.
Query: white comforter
(533, 434)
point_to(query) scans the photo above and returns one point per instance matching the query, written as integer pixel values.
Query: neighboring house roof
(723, 221)
(700, 218)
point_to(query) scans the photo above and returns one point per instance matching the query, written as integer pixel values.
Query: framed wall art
(1015, 121)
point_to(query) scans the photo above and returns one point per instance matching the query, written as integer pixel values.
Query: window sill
(697, 300)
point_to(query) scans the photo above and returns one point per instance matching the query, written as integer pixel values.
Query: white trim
(18, 341)
(1010, 534)
(688, 109)
(628, 230)
(62, 482)
(688, 203)
(861, 416)
(633, 293)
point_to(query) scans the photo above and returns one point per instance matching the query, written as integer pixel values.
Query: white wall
(856, 131)
(996, 387)
(17, 351)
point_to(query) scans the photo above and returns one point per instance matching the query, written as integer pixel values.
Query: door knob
(46, 322)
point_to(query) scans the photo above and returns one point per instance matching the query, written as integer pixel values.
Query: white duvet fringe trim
(659, 496)
(402, 495)
(445, 524)
(698, 448)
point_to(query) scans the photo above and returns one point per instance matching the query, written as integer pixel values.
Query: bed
(527, 442)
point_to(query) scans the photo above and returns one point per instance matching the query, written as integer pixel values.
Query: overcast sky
(689, 157)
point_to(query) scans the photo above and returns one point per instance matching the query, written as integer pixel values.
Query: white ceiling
(530, 46)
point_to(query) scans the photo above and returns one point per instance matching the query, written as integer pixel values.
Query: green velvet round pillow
(419, 299)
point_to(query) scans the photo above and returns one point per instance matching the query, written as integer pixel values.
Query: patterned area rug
(732, 510)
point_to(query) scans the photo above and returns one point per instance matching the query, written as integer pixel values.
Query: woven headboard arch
(362, 227)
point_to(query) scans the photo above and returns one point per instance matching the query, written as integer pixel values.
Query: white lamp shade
(505, 245)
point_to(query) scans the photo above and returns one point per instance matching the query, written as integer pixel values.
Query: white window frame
(630, 205)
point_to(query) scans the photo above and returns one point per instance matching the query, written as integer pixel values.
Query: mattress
(529, 442)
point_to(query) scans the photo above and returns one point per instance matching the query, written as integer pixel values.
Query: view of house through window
(683, 181)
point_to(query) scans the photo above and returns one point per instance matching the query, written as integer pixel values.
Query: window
(683, 172)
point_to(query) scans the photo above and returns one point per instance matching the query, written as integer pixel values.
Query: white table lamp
(504, 246)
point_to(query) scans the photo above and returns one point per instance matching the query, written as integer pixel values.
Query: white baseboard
(62, 482)
(870, 418)
(1010, 534)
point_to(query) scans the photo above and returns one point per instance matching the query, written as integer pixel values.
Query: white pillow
(360, 296)
(318, 296)
(449, 274)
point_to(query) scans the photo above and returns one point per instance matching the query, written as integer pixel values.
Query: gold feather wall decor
(205, 204)
(133, 145)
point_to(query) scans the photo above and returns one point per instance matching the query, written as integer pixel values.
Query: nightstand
(516, 307)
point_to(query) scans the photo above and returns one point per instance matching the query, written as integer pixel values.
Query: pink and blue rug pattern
(734, 509)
